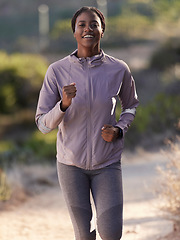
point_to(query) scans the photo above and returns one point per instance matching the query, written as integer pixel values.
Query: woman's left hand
(109, 133)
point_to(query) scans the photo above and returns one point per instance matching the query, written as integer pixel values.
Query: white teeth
(88, 36)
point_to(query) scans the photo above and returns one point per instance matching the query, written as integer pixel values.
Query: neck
(84, 53)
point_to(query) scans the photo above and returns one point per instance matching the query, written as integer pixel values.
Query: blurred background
(34, 33)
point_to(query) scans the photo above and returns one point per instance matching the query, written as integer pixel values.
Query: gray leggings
(106, 187)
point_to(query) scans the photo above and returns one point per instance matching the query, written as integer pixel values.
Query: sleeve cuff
(42, 127)
(60, 103)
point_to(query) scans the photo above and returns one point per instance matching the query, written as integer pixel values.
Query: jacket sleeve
(48, 113)
(129, 101)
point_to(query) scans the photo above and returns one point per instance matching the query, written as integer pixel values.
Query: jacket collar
(92, 61)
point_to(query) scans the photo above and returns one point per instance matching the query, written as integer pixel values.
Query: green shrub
(44, 146)
(142, 7)
(129, 25)
(154, 119)
(37, 148)
(166, 10)
(5, 146)
(160, 114)
(61, 28)
(15, 154)
(167, 55)
(21, 78)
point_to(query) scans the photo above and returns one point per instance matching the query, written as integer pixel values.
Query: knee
(110, 224)
(111, 233)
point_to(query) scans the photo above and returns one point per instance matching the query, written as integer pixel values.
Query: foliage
(128, 25)
(167, 55)
(44, 146)
(137, 20)
(16, 155)
(155, 118)
(21, 77)
(169, 187)
(158, 115)
(62, 36)
(37, 148)
(141, 7)
(167, 9)
(5, 146)
(144, 16)
(61, 28)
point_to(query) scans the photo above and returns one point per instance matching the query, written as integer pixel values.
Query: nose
(88, 28)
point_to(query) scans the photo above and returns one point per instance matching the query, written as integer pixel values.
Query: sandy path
(142, 218)
(44, 216)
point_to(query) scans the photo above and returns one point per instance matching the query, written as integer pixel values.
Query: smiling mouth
(88, 36)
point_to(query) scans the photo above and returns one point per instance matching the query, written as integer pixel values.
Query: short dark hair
(85, 9)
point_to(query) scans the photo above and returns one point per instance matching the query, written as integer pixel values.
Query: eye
(82, 25)
(94, 25)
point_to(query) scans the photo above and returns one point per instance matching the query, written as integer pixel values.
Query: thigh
(108, 197)
(75, 186)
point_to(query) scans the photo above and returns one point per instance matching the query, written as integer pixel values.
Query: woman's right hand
(68, 92)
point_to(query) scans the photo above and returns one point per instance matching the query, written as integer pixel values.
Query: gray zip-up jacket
(100, 81)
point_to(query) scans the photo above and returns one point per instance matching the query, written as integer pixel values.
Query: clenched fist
(110, 133)
(68, 92)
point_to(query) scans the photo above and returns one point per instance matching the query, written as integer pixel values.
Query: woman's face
(88, 31)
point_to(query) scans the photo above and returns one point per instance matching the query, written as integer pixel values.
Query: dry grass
(169, 188)
(23, 183)
(175, 235)
(5, 190)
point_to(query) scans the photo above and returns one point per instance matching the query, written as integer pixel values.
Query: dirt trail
(44, 215)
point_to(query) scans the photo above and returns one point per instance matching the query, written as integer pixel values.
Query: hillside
(9, 8)
(128, 21)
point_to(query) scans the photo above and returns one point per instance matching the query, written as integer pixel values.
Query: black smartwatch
(120, 132)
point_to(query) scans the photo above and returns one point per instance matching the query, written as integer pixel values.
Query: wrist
(119, 132)
(63, 107)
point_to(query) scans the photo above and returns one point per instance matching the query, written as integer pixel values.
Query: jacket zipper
(89, 128)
